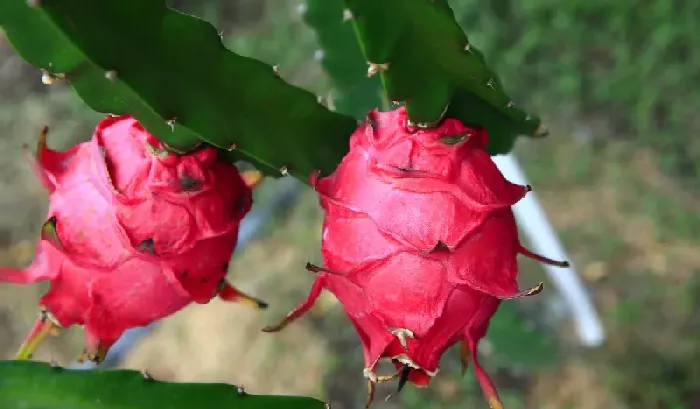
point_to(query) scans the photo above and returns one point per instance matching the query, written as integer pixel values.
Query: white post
(544, 240)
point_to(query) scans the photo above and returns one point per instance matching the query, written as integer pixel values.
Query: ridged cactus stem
(172, 72)
(425, 60)
(341, 55)
(37, 385)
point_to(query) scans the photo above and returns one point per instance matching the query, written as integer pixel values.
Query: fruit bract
(419, 244)
(133, 234)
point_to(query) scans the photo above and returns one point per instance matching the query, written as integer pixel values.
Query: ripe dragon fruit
(134, 233)
(420, 245)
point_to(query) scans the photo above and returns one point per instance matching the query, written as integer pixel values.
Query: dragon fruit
(134, 233)
(419, 244)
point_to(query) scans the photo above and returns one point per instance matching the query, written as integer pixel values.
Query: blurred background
(618, 82)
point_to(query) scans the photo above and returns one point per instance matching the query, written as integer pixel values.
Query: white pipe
(544, 240)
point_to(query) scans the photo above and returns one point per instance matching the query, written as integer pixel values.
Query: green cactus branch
(341, 56)
(425, 60)
(37, 385)
(172, 73)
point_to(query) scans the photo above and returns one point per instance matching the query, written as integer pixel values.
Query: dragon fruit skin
(134, 233)
(419, 245)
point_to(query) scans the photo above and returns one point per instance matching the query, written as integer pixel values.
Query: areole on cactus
(133, 234)
(419, 244)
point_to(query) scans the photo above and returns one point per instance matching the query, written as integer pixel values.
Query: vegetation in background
(621, 70)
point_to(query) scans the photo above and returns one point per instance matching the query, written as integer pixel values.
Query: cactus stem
(374, 68)
(284, 171)
(111, 75)
(171, 123)
(347, 15)
(276, 70)
(491, 84)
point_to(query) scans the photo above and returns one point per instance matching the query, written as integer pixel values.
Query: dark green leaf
(435, 70)
(353, 92)
(36, 385)
(141, 58)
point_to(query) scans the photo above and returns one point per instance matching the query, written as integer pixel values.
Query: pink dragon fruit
(134, 233)
(419, 245)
